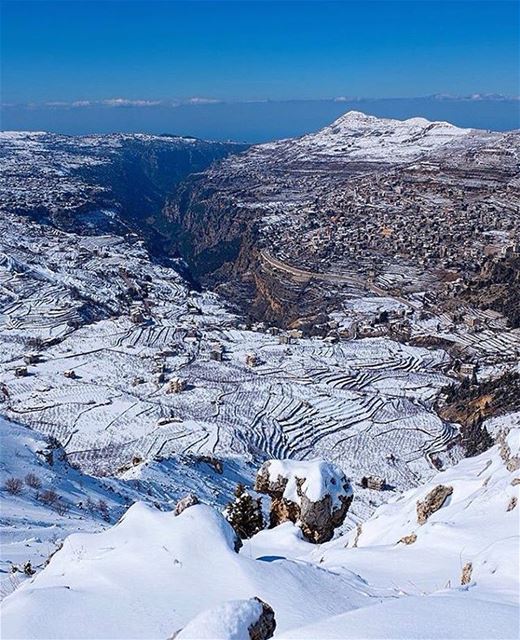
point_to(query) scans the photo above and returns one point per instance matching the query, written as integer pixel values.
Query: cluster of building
(438, 222)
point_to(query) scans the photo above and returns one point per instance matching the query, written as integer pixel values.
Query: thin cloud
(197, 100)
(201, 100)
(125, 102)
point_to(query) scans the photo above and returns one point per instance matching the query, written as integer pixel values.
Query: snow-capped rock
(315, 493)
(432, 502)
(235, 620)
(189, 500)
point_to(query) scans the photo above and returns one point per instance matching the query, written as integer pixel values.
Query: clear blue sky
(90, 50)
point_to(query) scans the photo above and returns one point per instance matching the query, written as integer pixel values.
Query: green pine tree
(244, 514)
(476, 438)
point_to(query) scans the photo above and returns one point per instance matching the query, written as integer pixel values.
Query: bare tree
(13, 486)
(32, 480)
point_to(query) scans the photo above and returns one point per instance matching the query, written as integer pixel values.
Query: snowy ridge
(32, 527)
(356, 136)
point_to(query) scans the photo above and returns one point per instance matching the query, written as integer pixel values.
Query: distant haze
(254, 121)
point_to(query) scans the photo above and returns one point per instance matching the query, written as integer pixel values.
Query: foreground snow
(33, 527)
(419, 618)
(162, 570)
(168, 573)
(477, 524)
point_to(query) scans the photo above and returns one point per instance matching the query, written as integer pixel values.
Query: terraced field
(97, 336)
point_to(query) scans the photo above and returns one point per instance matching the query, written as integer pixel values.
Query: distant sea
(255, 121)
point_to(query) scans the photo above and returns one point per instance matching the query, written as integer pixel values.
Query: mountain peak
(362, 137)
(364, 119)
(353, 117)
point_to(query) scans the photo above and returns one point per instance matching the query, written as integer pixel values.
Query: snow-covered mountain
(99, 183)
(366, 202)
(356, 136)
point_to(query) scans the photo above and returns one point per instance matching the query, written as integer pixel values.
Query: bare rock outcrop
(188, 501)
(265, 626)
(467, 570)
(512, 462)
(315, 495)
(432, 502)
(410, 539)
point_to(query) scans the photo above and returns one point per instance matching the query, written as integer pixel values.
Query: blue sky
(73, 50)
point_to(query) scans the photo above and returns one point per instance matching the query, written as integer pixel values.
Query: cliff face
(221, 242)
(143, 174)
(102, 184)
(289, 229)
(207, 230)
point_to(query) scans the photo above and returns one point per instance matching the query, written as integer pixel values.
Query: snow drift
(149, 575)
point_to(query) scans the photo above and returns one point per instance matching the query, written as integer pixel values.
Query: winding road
(337, 278)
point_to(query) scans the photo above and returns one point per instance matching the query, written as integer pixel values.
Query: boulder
(264, 627)
(432, 502)
(188, 501)
(315, 495)
(409, 539)
(373, 482)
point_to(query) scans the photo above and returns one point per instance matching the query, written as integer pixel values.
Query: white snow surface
(31, 529)
(228, 621)
(148, 576)
(320, 478)
(441, 616)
